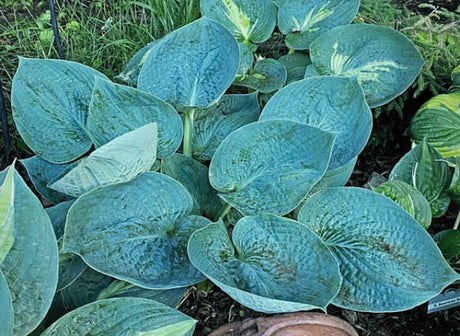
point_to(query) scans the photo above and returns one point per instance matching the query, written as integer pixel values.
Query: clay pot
(296, 324)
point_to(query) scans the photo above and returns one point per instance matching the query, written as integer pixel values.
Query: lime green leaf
(304, 20)
(273, 264)
(118, 316)
(192, 66)
(136, 231)
(116, 109)
(438, 121)
(50, 100)
(7, 232)
(249, 20)
(268, 76)
(269, 166)
(120, 160)
(384, 61)
(31, 266)
(388, 261)
(409, 198)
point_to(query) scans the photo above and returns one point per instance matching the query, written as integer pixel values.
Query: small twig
(54, 24)
(6, 136)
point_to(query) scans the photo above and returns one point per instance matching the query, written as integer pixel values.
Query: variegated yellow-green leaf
(304, 20)
(409, 198)
(7, 214)
(438, 121)
(384, 61)
(248, 20)
(120, 160)
(120, 316)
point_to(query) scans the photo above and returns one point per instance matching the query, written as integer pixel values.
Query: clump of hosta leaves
(142, 177)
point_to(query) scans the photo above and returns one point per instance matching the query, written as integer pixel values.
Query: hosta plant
(143, 178)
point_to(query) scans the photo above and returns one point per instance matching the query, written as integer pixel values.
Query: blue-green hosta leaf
(296, 64)
(273, 265)
(438, 121)
(71, 266)
(118, 288)
(246, 59)
(136, 231)
(116, 109)
(58, 214)
(269, 166)
(249, 20)
(449, 244)
(131, 71)
(269, 75)
(31, 266)
(6, 308)
(334, 104)
(194, 176)
(213, 124)
(303, 21)
(424, 168)
(50, 100)
(454, 188)
(118, 316)
(7, 231)
(388, 261)
(85, 289)
(192, 66)
(409, 198)
(42, 173)
(119, 160)
(384, 61)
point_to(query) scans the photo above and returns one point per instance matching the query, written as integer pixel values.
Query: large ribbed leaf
(119, 288)
(118, 316)
(6, 309)
(438, 121)
(194, 176)
(213, 124)
(384, 61)
(50, 100)
(304, 20)
(409, 198)
(272, 264)
(424, 168)
(119, 160)
(31, 266)
(136, 231)
(387, 260)
(334, 104)
(268, 75)
(269, 166)
(7, 231)
(192, 66)
(248, 20)
(131, 71)
(116, 109)
(42, 173)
